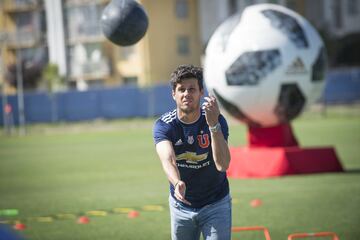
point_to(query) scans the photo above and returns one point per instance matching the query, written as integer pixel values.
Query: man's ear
(173, 94)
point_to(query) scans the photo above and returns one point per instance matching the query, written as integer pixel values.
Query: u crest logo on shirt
(203, 140)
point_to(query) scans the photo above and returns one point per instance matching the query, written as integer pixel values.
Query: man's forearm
(220, 149)
(168, 161)
(171, 171)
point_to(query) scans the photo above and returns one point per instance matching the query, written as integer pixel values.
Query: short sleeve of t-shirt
(161, 131)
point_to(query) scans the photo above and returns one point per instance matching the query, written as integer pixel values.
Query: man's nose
(187, 94)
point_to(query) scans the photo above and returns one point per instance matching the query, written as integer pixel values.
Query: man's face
(187, 95)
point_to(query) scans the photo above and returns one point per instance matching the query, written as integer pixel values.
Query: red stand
(275, 152)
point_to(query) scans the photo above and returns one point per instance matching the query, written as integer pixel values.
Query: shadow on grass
(352, 171)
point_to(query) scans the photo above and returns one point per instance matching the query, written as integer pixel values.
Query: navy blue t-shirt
(194, 159)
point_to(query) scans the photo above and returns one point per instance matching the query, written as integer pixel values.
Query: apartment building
(336, 20)
(68, 33)
(22, 27)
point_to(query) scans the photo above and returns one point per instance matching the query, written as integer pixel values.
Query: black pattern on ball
(124, 22)
(289, 26)
(251, 67)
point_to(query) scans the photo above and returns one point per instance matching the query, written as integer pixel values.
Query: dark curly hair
(186, 72)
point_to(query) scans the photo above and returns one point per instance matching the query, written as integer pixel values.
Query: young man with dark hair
(191, 142)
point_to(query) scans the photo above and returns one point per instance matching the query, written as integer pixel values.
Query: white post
(56, 35)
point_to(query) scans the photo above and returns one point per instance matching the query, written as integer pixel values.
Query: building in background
(23, 23)
(336, 20)
(173, 38)
(67, 33)
(339, 18)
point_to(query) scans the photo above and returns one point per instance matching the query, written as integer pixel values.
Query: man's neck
(188, 118)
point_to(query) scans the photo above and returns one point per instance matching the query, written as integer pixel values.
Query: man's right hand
(180, 190)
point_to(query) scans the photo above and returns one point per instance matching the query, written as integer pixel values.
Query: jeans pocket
(173, 203)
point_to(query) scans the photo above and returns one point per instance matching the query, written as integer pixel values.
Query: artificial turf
(78, 168)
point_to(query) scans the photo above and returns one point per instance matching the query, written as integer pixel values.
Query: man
(191, 143)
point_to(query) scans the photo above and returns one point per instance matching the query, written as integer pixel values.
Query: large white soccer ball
(265, 65)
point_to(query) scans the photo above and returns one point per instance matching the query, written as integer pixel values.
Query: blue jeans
(213, 221)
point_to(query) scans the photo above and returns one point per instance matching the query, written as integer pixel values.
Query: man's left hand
(212, 110)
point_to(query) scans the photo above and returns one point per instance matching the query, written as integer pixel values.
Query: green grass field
(101, 166)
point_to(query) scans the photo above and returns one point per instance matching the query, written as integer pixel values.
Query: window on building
(43, 27)
(338, 14)
(83, 21)
(26, 2)
(314, 9)
(232, 6)
(291, 4)
(88, 59)
(27, 28)
(95, 84)
(25, 21)
(352, 6)
(181, 8)
(183, 45)
(38, 55)
(125, 53)
(130, 80)
(249, 2)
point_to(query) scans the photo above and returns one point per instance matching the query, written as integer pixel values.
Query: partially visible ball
(124, 22)
(265, 65)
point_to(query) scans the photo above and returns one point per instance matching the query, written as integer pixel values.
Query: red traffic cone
(133, 214)
(19, 226)
(256, 203)
(83, 220)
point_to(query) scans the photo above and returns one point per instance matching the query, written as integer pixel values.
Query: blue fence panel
(162, 100)
(12, 101)
(120, 102)
(38, 107)
(79, 106)
(342, 86)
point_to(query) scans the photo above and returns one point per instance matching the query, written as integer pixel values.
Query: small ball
(124, 22)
